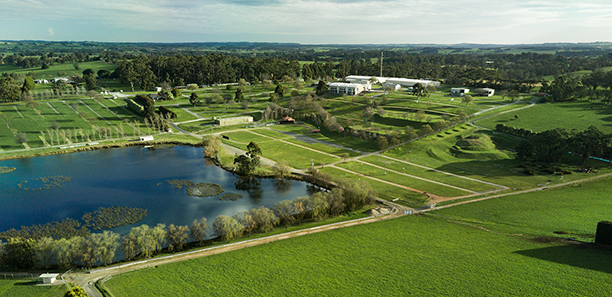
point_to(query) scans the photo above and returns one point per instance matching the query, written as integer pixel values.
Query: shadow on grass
(587, 256)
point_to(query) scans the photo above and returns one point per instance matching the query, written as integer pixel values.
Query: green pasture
(492, 165)
(21, 288)
(296, 157)
(316, 146)
(346, 141)
(573, 211)
(297, 129)
(428, 174)
(570, 115)
(384, 190)
(52, 71)
(413, 255)
(403, 180)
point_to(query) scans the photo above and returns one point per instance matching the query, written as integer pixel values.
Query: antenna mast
(381, 63)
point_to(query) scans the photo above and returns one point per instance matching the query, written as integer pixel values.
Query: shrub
(165, 111)
(604, 233)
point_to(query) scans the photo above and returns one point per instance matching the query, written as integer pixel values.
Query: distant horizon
(315, 44)
(317, 22)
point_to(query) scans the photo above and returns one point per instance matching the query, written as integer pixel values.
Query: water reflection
(282, 185)
(250, 184)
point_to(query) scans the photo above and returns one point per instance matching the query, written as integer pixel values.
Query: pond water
(134, 177)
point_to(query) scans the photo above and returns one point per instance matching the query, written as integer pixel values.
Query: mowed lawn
(574, 209)
(401, 179)
(542, 117)
(24, 288)
(295, 156)
(413, 255)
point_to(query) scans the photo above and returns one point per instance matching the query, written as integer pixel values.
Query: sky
(309, 22)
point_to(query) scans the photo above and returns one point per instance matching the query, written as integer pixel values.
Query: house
(287, 120)
(234, 120)
(346, 88)
(41, 81)
(146, 138)
(488, 92)
(459, 91)
(395, 87)
(157, 89)
(48, 278)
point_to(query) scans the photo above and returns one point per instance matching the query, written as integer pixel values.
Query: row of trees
(551, 145)
(596, 86)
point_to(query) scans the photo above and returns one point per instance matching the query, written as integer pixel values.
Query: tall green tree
(239, 95)
(280, 91)
(193, 99)
(9, 90)
(322, 88)
(227, 228)
(198, 230)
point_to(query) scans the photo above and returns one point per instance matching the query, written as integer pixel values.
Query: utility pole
(381, 62)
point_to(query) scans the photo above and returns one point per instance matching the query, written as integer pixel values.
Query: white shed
(48, 278)
(146, 138)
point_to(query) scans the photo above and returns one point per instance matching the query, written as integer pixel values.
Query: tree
(68, 251)
(318, 205)
(18, 253)
(44, 250)
(239, 95)
(590, 142)
(280, 91)
(176, 93)
(467, 99)
(265, 218)
(9, 90)
(105, 245)
(198, 230)
(76, 291)
(281, 169)
(21, 138)
(90, 81)
(227, 228)
(192, 87)
(59, 87)
(426, 129)
(322, 88)
(129, 246)
(177, 237)
(211, 145)
(248, 162)
(246, 220)
(381, 142)
(28, 85)
(513, 95)
(193, 99)
(285, 210)
(419, 91)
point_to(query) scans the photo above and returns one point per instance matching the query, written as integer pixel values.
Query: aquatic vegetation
(65, 228)
(7, 169)
(231, 197)
(114, 216)
(180, 183)
(45, 182)
(205, 190)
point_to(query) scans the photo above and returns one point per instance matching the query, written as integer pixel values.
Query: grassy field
(494, 165)
(22, 288)
(574, 210)
(403, 180)
(383, 190)
(415, 255)
(428, 174)
(295, 156)
(571, 115)
(67, 69)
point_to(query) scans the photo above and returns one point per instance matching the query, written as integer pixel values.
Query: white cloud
(322, 21)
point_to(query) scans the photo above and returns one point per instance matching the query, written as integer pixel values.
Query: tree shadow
(282, 185)
(250, 184)
(587, 256)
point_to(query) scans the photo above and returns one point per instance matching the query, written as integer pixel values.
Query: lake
(134, 177)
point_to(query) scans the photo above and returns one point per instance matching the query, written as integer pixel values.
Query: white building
(347, 88)
(459, 91)
(485, 92)
(395, 87)
(48, 278)
(41, 81)
(409, 82)
(146, 138)
(361, 79)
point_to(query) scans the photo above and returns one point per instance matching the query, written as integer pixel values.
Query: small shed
(146, 138)
(459, 91)
(48, 278)
(488, 92)
(287, 120)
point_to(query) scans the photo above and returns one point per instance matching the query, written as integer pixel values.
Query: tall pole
(381, 62)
